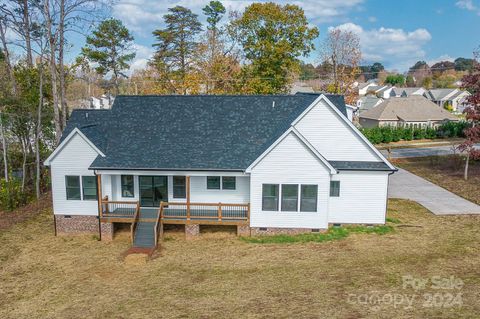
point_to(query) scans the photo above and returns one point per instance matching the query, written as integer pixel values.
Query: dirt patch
(8, 219)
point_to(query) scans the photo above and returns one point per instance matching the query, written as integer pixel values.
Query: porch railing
(214, 211)
(119, 209)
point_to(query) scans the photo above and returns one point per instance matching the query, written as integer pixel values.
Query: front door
(153, 190)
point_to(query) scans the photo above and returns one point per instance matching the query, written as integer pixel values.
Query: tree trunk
(6, 53)
(53, 71)
(38, 132)
(61, 44)
(24, 164)
(467, 162)
(4, 149)
(26, 30)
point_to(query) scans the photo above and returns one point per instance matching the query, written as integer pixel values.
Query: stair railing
(133, 227)
(159, 223)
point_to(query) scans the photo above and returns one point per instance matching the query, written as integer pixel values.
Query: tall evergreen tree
(110, 46)
(176, 46)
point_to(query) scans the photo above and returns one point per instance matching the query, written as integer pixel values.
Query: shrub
(11, 195)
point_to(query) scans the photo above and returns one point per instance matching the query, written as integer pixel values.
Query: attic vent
(273, 104)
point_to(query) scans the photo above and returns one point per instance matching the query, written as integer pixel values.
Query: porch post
(187, 181)
(99, 199)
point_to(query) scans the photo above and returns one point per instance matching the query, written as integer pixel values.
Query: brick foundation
(243, 231)
(107, 231)
(73, 224)
(80, 224)
(192, 231)
(258, 231)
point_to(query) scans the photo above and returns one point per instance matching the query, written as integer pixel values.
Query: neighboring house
(351, 110)
(102, 103)
(299, 87)
(266, 164)
(406, 92)
(368, 102)
(454, 99)
(363, 88)
(414, 111)
(385, 92)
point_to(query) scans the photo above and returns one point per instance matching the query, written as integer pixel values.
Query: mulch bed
(8, 219)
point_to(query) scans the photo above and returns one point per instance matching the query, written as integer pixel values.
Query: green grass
(393, 220)
(334, 233)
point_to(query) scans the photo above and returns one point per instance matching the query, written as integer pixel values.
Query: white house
(449, 98)
(266, 164)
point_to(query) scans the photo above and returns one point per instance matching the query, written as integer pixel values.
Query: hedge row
(388, 134)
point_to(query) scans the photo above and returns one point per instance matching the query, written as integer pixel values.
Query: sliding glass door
(153, 190)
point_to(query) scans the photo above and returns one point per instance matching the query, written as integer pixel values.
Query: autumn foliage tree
(471, 82)
(341, 50)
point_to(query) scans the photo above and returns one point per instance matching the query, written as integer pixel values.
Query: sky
(395, 33)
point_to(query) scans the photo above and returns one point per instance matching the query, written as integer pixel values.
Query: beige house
(413, 111)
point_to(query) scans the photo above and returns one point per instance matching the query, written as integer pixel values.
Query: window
(72, 184)
(334, 188)
(228, 182)
(308, 202)
(289, 197)
(270, 197)
(89, 184)
(127, 186)
(179, 187)
(213, 182)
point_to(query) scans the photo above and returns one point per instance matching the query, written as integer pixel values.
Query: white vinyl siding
(289, 162)
(332, 137)
(73, 160)
(362, 200)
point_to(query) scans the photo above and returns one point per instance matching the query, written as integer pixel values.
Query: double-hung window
(335, 188)
(308, 200)
(72, 184)
(127, 186)
(228, 182)
(270, 197)
(179, 187)
(289, 197)
(89, 184)
(213, 182)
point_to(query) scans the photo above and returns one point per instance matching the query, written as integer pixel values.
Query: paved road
(421, 151)
(438, 200)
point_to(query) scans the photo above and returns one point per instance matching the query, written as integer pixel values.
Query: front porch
(175, 213)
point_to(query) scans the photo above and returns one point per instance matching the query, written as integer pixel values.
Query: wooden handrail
(220, 208)
(207, 204)
(135, 221)
(159, 218)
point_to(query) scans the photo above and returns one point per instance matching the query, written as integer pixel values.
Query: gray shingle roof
(91, 123)
(414, 108)
(359, 165)
(196, 132)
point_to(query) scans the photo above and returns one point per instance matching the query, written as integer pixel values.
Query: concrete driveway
(438, 200)
(422, 151)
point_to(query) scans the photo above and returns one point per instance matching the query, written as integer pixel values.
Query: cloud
(143, 16)
(468, 5)
(143, 55)
(396, 48)
(372, 19)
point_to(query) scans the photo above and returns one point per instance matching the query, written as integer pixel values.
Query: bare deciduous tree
(341, 50)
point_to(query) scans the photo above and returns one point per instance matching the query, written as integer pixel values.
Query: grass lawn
(446, 171)
(219, 275)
